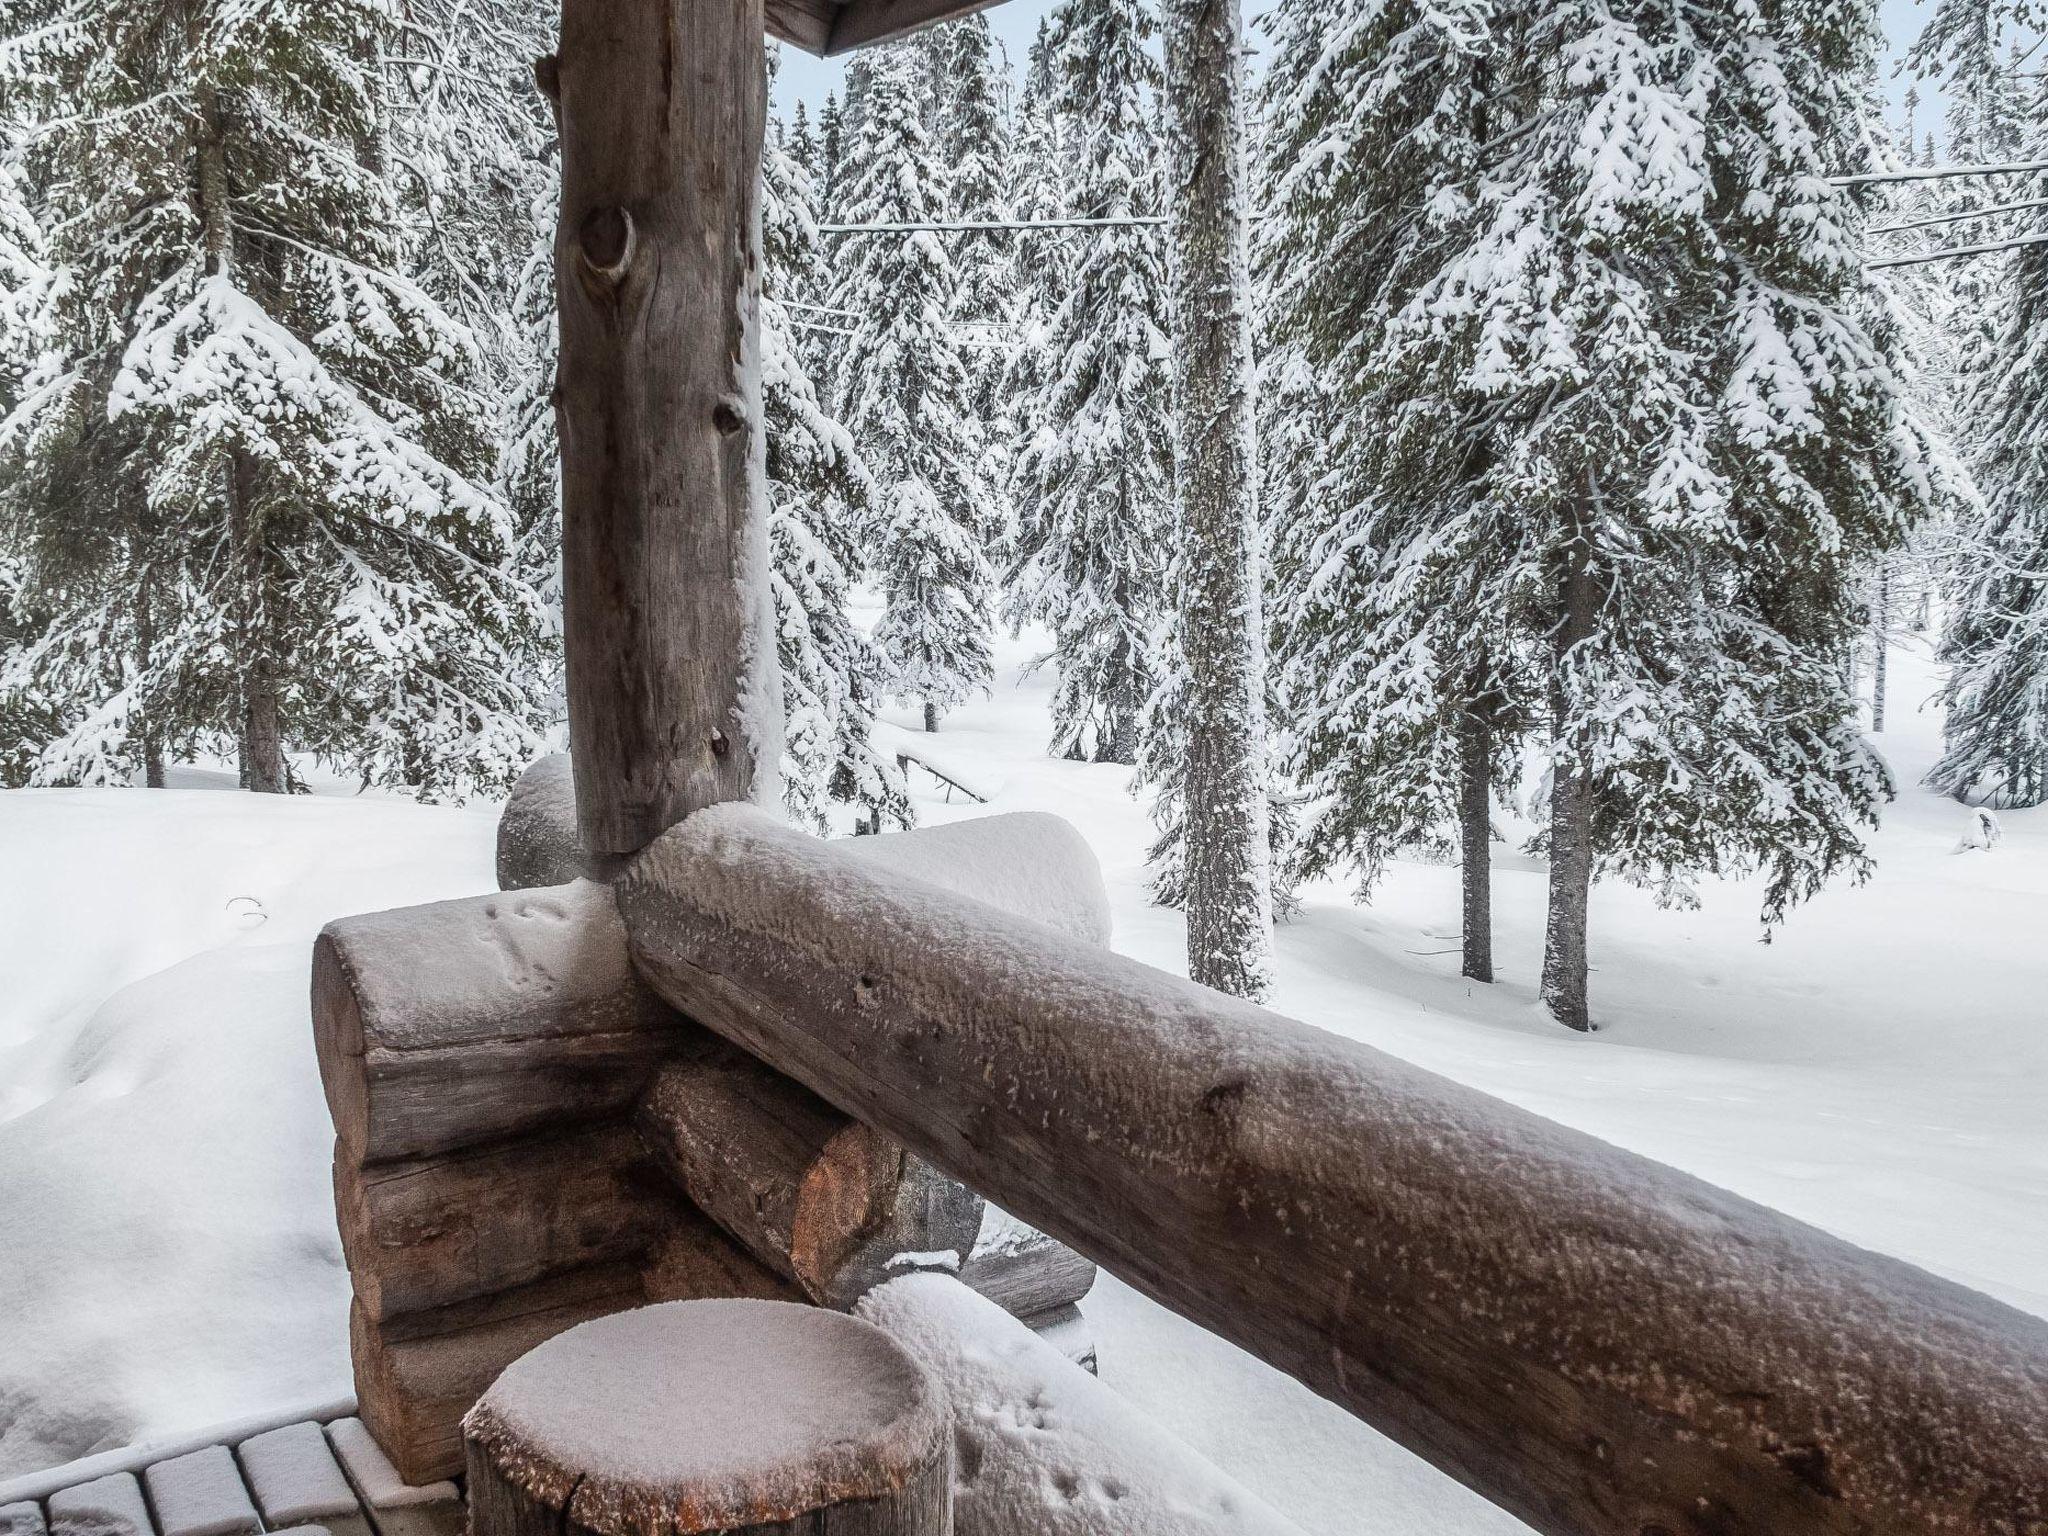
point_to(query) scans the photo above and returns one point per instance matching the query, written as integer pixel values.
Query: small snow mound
(1044, 1448)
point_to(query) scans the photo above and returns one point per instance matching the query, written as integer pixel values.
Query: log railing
(1594, 1341)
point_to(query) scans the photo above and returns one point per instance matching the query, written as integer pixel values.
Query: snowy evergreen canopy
(1609, 423)
(905, 393)
(1093, 477)
(249, 476)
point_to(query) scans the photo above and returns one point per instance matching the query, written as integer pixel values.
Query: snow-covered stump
(1595, 1342)
(816, 1196)
(1041, 1447)
(723, 1416)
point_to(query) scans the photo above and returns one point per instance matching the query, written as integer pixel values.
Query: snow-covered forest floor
(171, 1260)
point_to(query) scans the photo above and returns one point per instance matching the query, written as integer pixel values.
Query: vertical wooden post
(673, 702)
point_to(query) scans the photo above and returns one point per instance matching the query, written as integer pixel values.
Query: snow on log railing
(1594, 1341)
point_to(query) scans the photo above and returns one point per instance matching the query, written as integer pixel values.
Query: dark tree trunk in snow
(1571, 807)
(1475, 837)
(1229, 899)
(931, 716)
(673, 697)
(1878, 666)
(262, 725)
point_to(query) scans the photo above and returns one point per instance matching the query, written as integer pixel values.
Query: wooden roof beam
(831, 27)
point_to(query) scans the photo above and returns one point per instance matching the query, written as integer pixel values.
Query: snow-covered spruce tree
(254, 474)
(1394, 562)
(1220, 551)
(973, 141)
(1093, 473)
(905, 393)
(1996, 641)
(1651, 297)
(831, 150)
(817, 487)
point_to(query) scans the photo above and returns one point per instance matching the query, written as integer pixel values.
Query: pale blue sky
(808, 79)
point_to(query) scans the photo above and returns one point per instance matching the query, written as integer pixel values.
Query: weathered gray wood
(671, 650)
(297, 1483)
(538, 840)
(1067, 1330)
(106, 1506)
(395, 1507)
(724, 1416)
(448, 1025)
(421, 1233)
(863, 23)
(417, 1373)
(1594, 1341)
(811, 1193)
(201, 1494)
(1039, 1275)
(21, 1519)
(807, 24)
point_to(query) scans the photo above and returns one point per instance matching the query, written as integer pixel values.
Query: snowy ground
(168, 1260)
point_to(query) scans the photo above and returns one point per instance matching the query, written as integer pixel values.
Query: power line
(978, 225)
(1956, 252)
(1938, 173)
(1959, 218)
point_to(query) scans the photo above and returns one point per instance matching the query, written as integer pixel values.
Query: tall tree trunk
(1571, 804)
(1475, 836)
(1229, 896)
(931, 716)
(262, 726)
(259, 729)
(1879, 666)
(145, 651)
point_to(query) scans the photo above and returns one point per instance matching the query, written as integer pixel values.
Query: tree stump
(713, 1416)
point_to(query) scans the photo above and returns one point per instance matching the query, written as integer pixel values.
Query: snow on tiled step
(106, 1506)
(201, 1494)
(24, 1519)
(299, 1486)
(396, 1508)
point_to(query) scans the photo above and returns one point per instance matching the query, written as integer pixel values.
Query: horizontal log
(805, 23)
(1594, 1341)
(539, 843)
(812, 1194)
(421, 1233)
(863, 23)
(1037, 1276)
(449, 1025)
(418, 1373)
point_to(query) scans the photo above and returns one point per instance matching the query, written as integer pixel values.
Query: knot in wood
(728, 417)
(721, 744)
(606, 241)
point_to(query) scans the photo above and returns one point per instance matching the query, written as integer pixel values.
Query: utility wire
(1959, 218)
(1953, 253)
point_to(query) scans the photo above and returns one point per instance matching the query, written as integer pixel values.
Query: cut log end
(734, 1416)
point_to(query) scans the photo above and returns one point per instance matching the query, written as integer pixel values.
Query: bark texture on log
(673, 699)
(418, 1374)
(539, 842)
(421, 1233)
(448, 1025)
(1594, 1341)
(1226, 859)
(1032, 1281)
(811, 1193)
(729, 1416)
